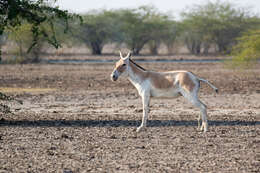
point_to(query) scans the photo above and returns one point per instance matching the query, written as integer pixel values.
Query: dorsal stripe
(137, 65)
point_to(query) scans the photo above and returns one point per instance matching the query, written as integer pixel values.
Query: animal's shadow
(117, 123)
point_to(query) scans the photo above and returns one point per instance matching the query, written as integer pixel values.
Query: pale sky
(172, 6)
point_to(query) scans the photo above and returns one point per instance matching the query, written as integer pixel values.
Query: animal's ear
(126, 59)
(129, 54)
(121, 56)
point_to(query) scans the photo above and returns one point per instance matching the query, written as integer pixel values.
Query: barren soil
(74, 119)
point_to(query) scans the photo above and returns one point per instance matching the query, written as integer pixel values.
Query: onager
(169, 84)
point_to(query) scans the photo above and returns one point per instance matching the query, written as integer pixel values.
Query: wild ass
(169, 84)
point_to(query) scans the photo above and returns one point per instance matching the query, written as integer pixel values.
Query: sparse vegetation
(217, 24)
(14, 13)
(4, 108)
(89, 123)
(247, 51)
(75, 119)
(214, 27)
(97, 29)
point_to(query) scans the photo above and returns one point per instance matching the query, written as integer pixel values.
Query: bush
(3, 107)
(247, 51)
(16, 12)
(215, 24)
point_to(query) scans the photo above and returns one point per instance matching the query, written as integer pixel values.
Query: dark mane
(137, 65)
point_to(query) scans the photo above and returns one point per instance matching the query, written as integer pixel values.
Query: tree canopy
(216, 23)
(247, 51)
(97, 29)
(211, 27)
(133, 27)
(14, 12)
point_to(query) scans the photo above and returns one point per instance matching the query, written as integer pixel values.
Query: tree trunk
(222, 47)
(135, 51)
(197, 49)
(170, 48)
(0, 54)
(153, 47)
(35, 55)
(1, 35)
(96, 48)
(206, 49)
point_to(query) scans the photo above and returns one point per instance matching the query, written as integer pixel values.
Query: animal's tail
(211, 85)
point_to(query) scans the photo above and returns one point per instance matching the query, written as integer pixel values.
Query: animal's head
(121, 67)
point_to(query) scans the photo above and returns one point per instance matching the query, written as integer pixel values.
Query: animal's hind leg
(199, 122)
(203, 110)
(192, 97)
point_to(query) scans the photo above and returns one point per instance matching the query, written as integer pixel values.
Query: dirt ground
(74, 119)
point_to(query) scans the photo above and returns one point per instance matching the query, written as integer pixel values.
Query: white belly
(169, 93)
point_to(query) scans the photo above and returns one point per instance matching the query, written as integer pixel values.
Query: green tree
(14, 12)
(3, 39)
(138, 26)
(97, 29)
(133, 29)
(23, 37)
(172, 32)
(247, 51)
(162, 30)
(217, 23)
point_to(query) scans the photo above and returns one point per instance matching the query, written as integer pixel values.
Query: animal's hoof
(139, 129)
(204, 129)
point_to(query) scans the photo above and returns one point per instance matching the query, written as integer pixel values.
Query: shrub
(247, 51)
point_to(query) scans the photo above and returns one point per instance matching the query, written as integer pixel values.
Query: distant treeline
(217, 25)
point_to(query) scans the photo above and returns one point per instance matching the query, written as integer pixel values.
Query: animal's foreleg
(146, 101)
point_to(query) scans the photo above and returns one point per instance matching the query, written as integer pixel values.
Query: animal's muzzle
(113, 77)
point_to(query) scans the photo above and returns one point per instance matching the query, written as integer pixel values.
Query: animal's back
(166, 84)
(163, 84)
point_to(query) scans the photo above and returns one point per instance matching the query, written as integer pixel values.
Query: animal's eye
(124, 65)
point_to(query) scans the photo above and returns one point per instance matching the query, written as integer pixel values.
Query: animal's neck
(138, 66)
(137, 74)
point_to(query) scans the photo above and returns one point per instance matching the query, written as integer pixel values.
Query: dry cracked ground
(74, 119)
